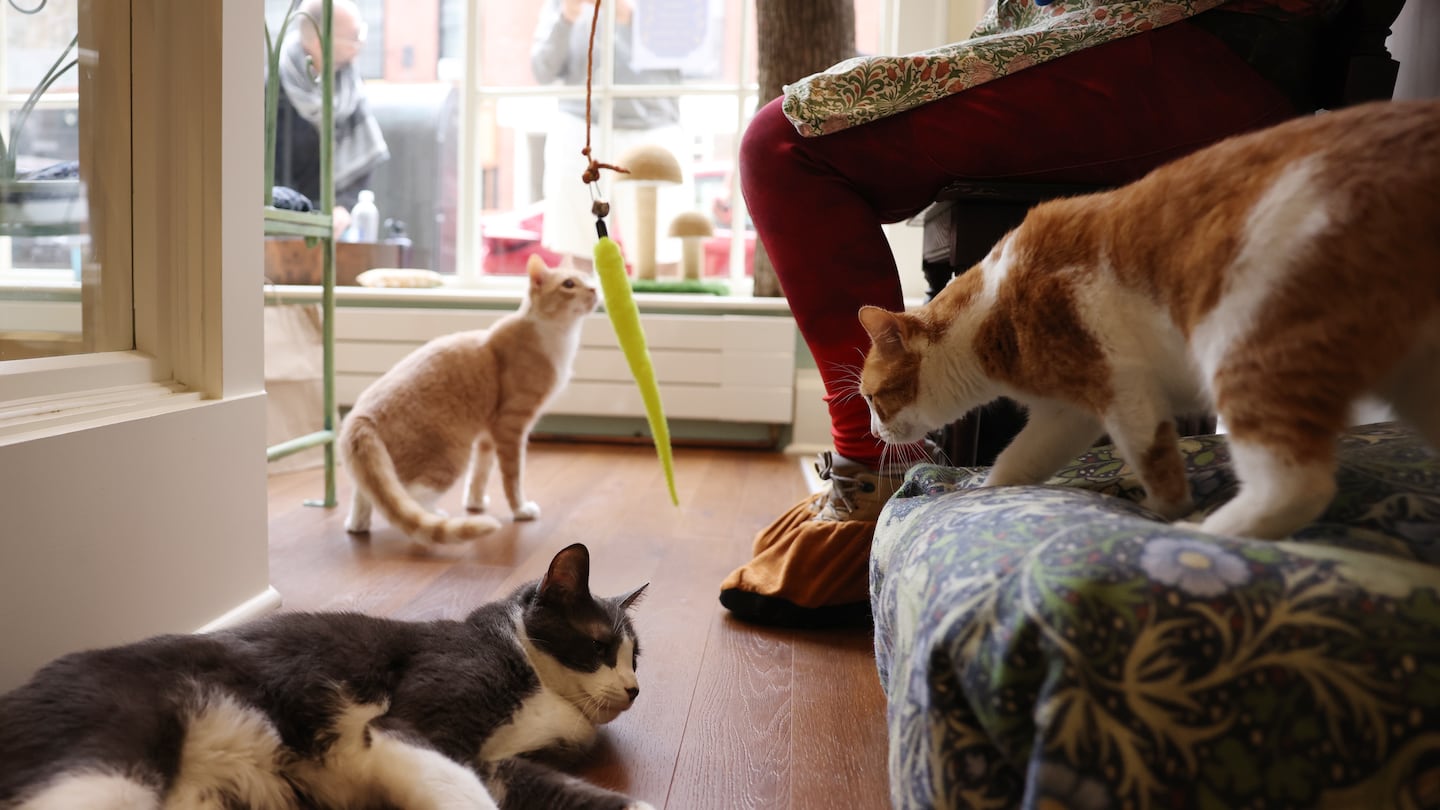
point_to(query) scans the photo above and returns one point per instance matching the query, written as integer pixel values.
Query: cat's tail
(370, 466)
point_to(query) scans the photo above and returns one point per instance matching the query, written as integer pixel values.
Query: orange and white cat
(461, 400)
(1274, 278)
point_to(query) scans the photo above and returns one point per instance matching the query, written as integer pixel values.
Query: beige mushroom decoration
(649, 165)
(691, 228)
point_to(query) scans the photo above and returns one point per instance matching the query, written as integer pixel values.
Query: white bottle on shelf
(365, 218)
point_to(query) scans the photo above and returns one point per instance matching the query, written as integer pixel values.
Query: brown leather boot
(811, 566)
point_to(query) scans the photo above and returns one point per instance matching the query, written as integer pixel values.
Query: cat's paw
(638, 805)
(473, 504)
(527, 511)
(1188, 525)
(357, 525)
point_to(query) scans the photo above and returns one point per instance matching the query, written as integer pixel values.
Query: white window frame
(477, 93)
(156, 316)
(155, 310)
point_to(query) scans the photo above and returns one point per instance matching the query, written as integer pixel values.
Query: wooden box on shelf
(288, 260)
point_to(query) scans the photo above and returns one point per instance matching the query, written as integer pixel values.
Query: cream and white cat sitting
(1274, 278)
(461, 400)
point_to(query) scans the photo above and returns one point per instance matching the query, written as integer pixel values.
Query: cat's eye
(568, 284)
(600, 647)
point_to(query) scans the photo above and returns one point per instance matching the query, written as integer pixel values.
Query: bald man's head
(347, 30)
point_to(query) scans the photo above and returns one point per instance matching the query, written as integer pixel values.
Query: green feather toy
(625, 318)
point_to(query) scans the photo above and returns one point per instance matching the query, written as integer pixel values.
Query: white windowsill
(42, 417)
(43, 284)
(507, 294)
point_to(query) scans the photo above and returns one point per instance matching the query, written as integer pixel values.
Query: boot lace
(841, 500)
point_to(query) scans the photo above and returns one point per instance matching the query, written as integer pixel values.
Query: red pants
(1105, 114)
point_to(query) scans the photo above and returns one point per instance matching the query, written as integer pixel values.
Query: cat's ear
(568, 579)
(537, 270)
(886, 329)
(630, 599)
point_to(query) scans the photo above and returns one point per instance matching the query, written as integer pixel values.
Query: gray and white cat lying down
(335, 710)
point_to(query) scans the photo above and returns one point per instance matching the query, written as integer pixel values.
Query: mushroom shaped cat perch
(691, 228)
(648, 165)
(625, 318)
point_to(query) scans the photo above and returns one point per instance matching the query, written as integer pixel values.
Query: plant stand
(315, 226)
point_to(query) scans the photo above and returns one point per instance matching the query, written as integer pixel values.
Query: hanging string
(592, 169)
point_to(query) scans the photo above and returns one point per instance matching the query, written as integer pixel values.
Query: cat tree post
(649, 166)
(691, 228)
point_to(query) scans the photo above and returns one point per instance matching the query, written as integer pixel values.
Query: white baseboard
(265, 602)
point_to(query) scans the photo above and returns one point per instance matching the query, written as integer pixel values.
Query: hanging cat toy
(615, 289)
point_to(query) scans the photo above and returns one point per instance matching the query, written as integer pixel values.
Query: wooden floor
(730, 716)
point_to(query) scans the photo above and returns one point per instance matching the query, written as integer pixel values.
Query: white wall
(1415, 41)
(146, 524)
(964, 14)
(121, 531)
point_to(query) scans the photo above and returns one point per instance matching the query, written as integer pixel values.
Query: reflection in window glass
(45, 246)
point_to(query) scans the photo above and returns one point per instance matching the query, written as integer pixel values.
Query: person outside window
(359, 144)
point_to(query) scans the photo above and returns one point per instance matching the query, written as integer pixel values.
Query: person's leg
(1107, 114)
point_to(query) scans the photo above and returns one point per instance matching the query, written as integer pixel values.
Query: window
(56, 268)
(484, 141)
(156, 218)
(371, 59)
(676, 74)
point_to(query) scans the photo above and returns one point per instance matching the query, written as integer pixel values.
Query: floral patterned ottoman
(1058, 646)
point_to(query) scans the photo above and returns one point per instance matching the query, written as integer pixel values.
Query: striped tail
(374, 473)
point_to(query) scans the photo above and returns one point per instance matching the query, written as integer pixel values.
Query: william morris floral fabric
(1059, 646)
(1013, 35)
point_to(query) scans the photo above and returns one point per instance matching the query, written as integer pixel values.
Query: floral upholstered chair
(1059, 646)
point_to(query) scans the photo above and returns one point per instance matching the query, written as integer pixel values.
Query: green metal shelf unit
(316, 227)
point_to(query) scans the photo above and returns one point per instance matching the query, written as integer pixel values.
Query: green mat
(679, 285)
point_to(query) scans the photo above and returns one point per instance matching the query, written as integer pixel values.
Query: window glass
(677, 73)
(371, 59)
(407, 152)
(452, 37)
(673, 74)
(46, 253)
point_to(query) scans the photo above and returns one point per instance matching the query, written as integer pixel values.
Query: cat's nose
(633, 692)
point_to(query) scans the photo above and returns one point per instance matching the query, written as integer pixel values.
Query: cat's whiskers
(847, 380)
(594, 706)
(902, 456)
